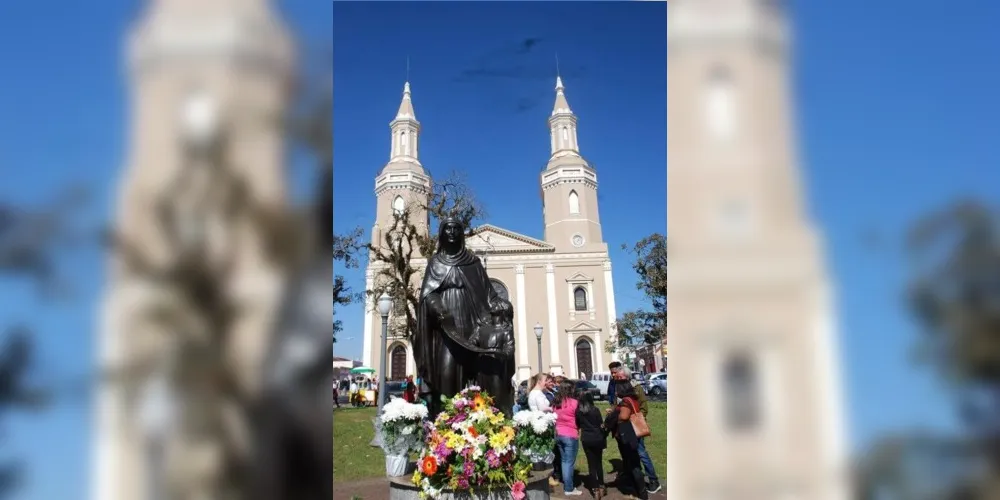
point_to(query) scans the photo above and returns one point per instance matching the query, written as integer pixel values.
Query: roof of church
(497, 240)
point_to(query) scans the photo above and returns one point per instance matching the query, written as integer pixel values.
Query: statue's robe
(455, 300)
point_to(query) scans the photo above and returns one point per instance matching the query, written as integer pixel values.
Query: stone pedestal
(402, 488)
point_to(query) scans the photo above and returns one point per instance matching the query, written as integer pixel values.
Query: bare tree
(410, 237)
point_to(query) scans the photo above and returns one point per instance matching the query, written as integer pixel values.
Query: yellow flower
(508, 431)
(499, 441)
(496, 418)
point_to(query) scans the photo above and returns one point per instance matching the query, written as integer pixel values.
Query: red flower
(429, 465)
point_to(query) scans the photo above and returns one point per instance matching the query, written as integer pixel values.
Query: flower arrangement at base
(536, 437)
(471, 445)
(402, 428)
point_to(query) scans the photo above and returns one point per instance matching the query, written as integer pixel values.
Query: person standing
(593, 440)
(336, 393)
(620, 372)
(618, 423)
(536, 398)
(409, 390)
(567, 432)
(551, 387)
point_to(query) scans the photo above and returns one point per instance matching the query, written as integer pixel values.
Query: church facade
(561, 283)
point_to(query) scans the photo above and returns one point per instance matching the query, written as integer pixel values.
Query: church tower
(402, 184)
(206, 79)
(751, 305)
(569, 185)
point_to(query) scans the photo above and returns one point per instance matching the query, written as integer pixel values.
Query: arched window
(574, 202)
(720, 104)
(398, 205)
(404, 140)
(500, 288)
(580, 299)
(740, 390)
(565, 136)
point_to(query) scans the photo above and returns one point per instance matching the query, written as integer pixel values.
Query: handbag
(639, 424)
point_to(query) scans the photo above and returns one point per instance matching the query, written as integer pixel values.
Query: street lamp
(538, 336)
(384, 306)
(157, 413)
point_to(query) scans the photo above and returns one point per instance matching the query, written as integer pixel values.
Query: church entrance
(584, 358)
(398, 363)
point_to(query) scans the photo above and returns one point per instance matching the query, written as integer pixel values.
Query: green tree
(954, 293)
(643, 327)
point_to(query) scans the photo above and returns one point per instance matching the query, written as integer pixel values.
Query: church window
(580, 299)
(500, 288)
(574, 202)
(740, 392)
(404, 139)
(398, 205)
(720, 104)
(565, 136)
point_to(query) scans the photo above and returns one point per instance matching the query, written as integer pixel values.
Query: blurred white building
(198, 71)
(755, 388)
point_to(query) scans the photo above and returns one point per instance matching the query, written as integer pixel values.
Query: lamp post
(156, 417)
(538, 336)
(384, 306)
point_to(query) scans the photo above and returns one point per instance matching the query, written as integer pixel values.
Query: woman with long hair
(565, 406)
(593, 440)
(536, 398)
(618, 422)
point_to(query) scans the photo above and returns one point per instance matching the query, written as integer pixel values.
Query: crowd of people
(580, 424)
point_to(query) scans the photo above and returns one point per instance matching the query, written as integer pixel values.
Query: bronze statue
(464, 332)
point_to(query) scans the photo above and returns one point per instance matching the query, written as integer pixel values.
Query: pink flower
(517, 490)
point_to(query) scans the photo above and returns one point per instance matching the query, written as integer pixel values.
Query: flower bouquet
(402, 430)
(536, 437)
(471, 446)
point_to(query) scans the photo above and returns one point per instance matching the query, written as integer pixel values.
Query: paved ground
(378, 489)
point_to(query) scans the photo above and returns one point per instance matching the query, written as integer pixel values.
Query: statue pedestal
(537, 488)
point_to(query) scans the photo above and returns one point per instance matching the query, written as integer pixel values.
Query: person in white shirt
(536, 398)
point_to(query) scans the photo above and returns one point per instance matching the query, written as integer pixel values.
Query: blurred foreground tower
(208, 83)
(755, 392)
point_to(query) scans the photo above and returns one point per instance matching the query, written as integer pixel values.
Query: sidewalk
(378, 489)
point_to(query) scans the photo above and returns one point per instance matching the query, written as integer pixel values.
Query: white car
(601, 380)
(657, 384)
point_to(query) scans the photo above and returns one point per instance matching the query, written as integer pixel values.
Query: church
(561, 286)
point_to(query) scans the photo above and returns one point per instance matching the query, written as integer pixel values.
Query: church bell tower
(751, 304)
(569, 185)
(205, 75)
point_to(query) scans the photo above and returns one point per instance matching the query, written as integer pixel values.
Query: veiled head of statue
(451, 235)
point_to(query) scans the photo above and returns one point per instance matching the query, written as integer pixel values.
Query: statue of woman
(463, 336)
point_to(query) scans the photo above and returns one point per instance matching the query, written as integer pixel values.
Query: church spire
(561, 106)
(405, 131)
(562, 125)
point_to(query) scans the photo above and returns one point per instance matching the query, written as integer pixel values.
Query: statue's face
(452, 236)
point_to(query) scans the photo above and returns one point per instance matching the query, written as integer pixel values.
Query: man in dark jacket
(621, 372)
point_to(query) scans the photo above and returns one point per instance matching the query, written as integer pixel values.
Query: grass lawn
(354, 459)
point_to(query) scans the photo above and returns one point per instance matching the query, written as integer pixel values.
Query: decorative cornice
(579, 278)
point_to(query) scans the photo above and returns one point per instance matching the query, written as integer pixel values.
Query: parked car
(601, 381)
(642, 380)
(657, 384)
(584, 386)
(393, 389)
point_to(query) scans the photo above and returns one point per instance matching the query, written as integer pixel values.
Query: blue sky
(894, 102)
